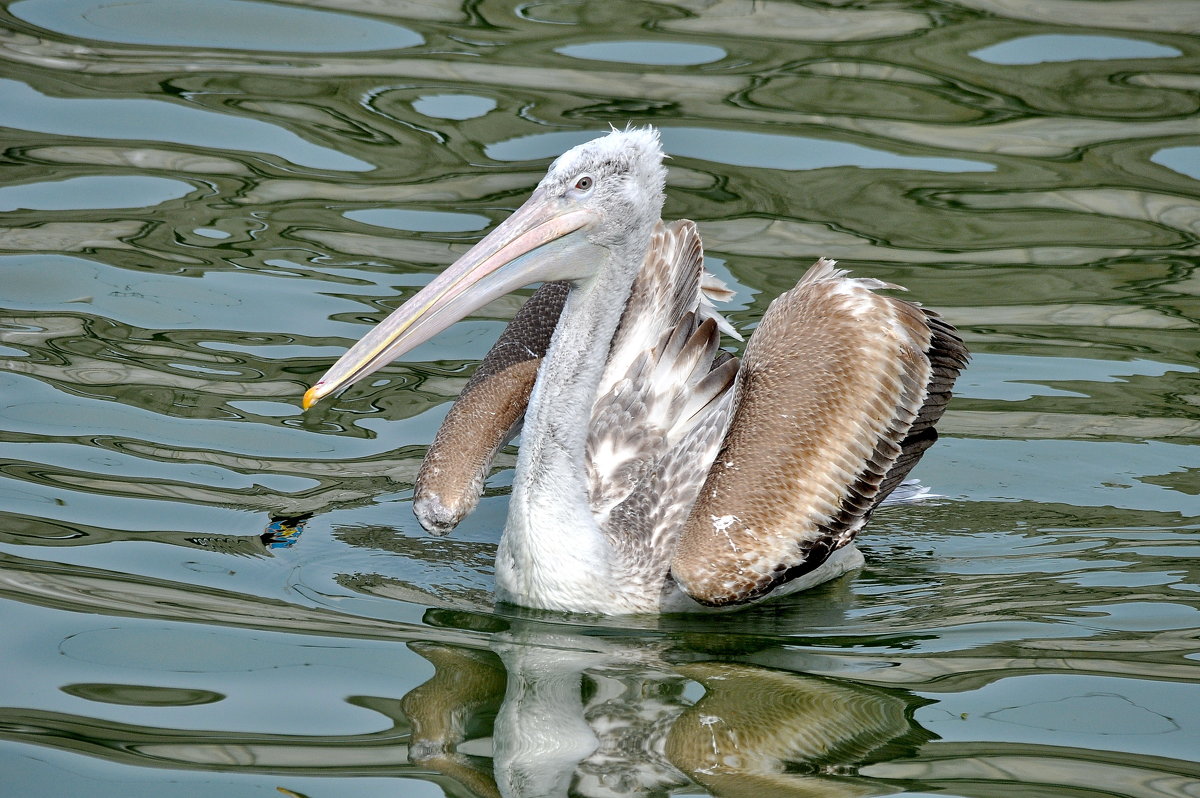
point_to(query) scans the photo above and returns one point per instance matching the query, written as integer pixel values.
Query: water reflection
(535, 710)
(590, 716)
(1040, 49)
(531, 707)
(539, 711)
(140, 119)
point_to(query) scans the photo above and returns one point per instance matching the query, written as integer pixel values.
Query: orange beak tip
(310, 397)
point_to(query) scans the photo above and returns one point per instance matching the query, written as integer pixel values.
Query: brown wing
(837, 396)
(485, 415)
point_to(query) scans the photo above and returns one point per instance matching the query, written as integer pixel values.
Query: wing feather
(675, 434)
(652, 378)
(664, 404)
(668, 391)
(947, 357)
(666, 288)
(836, 399)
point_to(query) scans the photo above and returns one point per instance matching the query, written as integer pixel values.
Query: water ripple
(204, 216)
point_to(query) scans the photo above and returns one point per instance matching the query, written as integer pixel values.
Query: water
(207, 592)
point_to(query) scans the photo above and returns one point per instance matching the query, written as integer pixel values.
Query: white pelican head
(598, 201)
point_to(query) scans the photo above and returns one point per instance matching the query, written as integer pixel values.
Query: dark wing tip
(948, 356)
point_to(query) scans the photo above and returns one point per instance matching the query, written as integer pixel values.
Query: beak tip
(311, 396)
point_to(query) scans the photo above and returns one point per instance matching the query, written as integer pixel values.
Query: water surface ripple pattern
(203, 204)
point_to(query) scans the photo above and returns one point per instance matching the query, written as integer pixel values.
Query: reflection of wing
(466, 684)
(485, 415)
(608, 716)
(832, 384)
(752, 723)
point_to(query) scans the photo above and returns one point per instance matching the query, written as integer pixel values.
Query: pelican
(657, 473)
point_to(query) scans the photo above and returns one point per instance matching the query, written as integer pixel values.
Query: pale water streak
(206, 591)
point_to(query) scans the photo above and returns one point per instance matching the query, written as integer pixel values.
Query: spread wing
(836, 400)
(653, 437)
(663, 405)
(671, 283)
(486, 414)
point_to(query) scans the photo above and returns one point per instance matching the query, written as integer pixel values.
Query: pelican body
(657, 473)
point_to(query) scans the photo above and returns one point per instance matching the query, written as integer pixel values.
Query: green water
(206, 201)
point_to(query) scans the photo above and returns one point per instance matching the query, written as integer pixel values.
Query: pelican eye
(584, 183)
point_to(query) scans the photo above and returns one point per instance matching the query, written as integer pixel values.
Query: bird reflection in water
(582, 715)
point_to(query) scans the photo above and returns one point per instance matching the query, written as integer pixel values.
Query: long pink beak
(545, 239)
